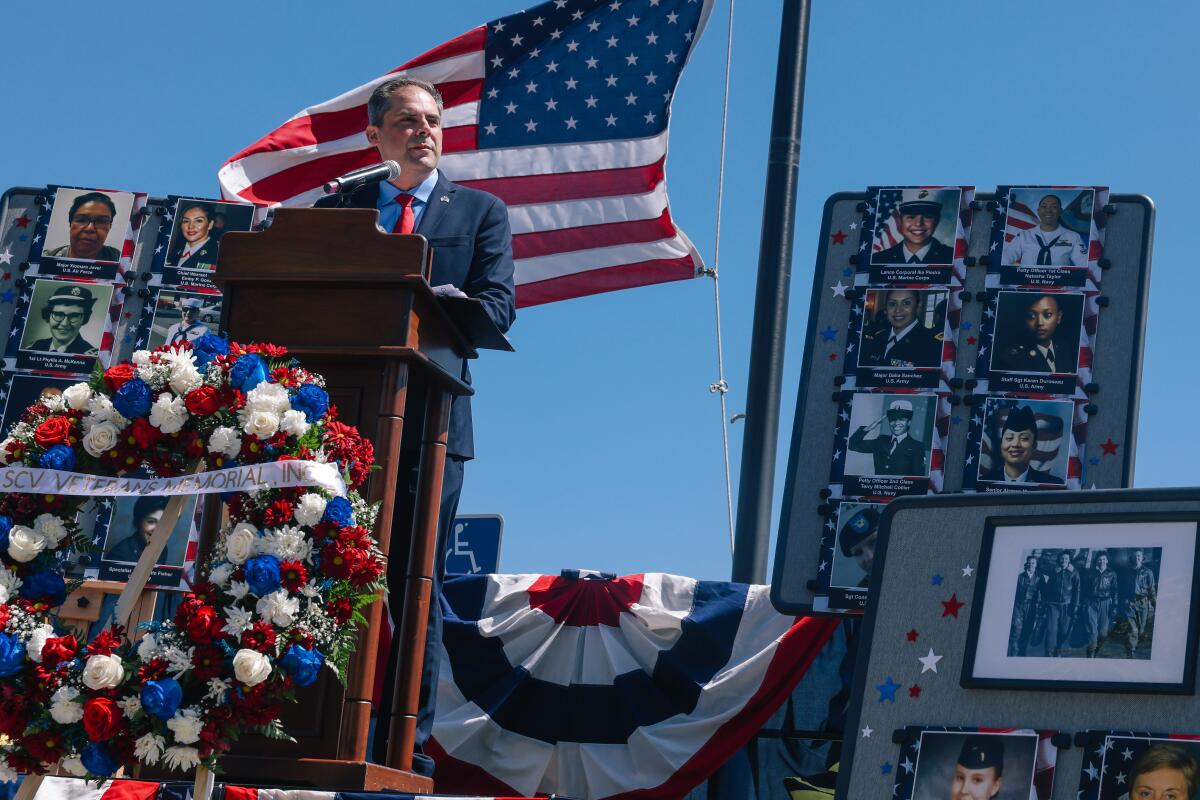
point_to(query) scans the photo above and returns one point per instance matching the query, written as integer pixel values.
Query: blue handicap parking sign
(474, 544)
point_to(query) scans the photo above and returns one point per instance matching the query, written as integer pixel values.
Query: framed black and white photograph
(192, 230)
(1025, 445)
(912, 234)
(65, 326)
(890, 444)
(1035, 343)
(1049, 236)
(1096, 605)
(975, 764)
(1133, 766)
(181, 317)
(851, 555)
(122, 531)
(905, 339)
(85, 233)
(22, 391)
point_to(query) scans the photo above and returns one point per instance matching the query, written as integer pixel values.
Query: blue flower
(98, 760)
(47, 586)
(162, 697)
(207, 348)
(12, 655)
(312, 400)
(58, 456)
(6, 524)
(133, 399)
(339, 512)
(248, 372)
(262, 574)
(303, 665)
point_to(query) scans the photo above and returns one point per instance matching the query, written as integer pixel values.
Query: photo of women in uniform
(135, 521)
(903, 328)
(198, 227)
(1037, 332)
(854, 551)
(1048, 227)
(1026, 443)
(88, 225)
(890, 434)
(1137, 767)
(915, 226)
(66, 317)
(977, 766)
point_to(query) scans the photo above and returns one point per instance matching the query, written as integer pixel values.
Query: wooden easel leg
(202, 787)
(28, 787)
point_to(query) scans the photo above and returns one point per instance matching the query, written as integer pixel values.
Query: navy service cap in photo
(981, 752)
(919, 201)
(900, 408)
(857, 529)
(1020, 419)
(79, 295)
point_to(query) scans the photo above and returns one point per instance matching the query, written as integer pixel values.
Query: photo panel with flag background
(1039, 442)
(86, 233)
(1049, 236)
(1128, 764)
(914, 235)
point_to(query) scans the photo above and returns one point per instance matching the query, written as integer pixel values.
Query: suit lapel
(440, 201)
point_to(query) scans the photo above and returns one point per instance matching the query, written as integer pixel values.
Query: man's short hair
(1056, 197)
(381, 98)
(92, 197)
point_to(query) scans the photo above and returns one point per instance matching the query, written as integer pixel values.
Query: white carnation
(130, 705)
(225, 441)
(182, 758)
(101, 409)
(9, 584)
(262, 424)
(268, 397)
(51, 527)
(24, 544)
(168, 413)
(141, 358)
(7, 773)
(241, 542)
(148, 648)
(74, 765)
(237, 621)
(184, 375)
(220, 573)
(103, 672)
(63, 707)
(37, 640)
(251, 667)
(77, 396)
(55, 403)
(294, 423)
(186, 726)
(149, 748)
(309, 509)
(101, 438)
(278, 608)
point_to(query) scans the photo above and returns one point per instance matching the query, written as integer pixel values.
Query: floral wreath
(283, 588)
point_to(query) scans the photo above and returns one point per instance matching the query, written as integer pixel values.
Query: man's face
(1102, 563)
(1064, 560)
(975, 784)
(65, 321)
(1138, 558)
(1016, 448)
(89, 229)
(1031, 565)
(1042, 319)
(917, 229)
(195, 225)
(899, 423)
(1161, 784)
(864, 553)
(150, 524)
(901, 309)
(410, 134)
(1049, 210)
(189, 314)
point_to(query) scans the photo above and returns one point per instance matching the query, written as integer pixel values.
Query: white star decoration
(929, 663)
(867, 731)
(968, 571)
(6, 256)
(839, 289)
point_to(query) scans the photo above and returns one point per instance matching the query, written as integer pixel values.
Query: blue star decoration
(885, 768)
(829, 334)
(966, 326)
(1093, 461)
(7, 296)
(956, 419)
(887, 689)
(936, 580)
(847, 272)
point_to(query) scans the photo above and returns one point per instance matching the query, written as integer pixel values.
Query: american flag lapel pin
(445, 198)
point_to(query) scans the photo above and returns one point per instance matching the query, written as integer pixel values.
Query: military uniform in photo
(1061, 595)
(107, 253)
(913, 202)
(1025, 611)
(917, 346)
(202, 257)
(73, 295)
(1139, 610)
(190, 332)
(1059, 356)
(1060, 247)
(857, 530)
(893, 455)
(1100, 594)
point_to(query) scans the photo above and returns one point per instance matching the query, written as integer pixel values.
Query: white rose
(101, 438)
(268, 397)
(278, 608)
(74, 765)
(24, 544)
(103, 672)
(262, 424)
(9, 584)
(37, 640)
(182, 758)
(186, 726)
(168, 413)
(77, 395)
(240, 543)
(51, 527)
(251, 667)
(309, 509)
(225, 440)
(294, 423)
(149, 748)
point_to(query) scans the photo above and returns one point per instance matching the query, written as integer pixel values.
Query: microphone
(363, 177)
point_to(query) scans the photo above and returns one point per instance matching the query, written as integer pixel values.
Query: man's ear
(373, 134)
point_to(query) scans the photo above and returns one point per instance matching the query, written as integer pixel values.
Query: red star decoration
(1109, 447)
(950, 607)
(22, 221)
(970, 340)
(912, 635)
(838, 237)
(914, 691)
(833, 356)
(128, 314)
(7, 275)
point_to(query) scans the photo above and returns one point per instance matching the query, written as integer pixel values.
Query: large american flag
(560, 110)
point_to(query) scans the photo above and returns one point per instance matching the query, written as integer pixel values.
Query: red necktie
(407, 220)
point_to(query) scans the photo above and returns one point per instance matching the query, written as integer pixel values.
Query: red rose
(202, 401)
(117, 376)
(59, 649)
(102, 719)
(145, 434)
(54, 430)
(205, 625)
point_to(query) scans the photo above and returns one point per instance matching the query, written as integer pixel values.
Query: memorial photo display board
(955, 345)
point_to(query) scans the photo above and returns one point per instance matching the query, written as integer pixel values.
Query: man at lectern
(472, 252)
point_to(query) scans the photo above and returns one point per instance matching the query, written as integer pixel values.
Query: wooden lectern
(355, 305)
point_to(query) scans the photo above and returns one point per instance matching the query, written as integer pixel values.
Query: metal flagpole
(756, 482)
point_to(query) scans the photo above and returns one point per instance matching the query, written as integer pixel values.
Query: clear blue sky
(599, 440)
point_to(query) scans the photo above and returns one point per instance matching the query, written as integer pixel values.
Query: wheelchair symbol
(461, 548)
